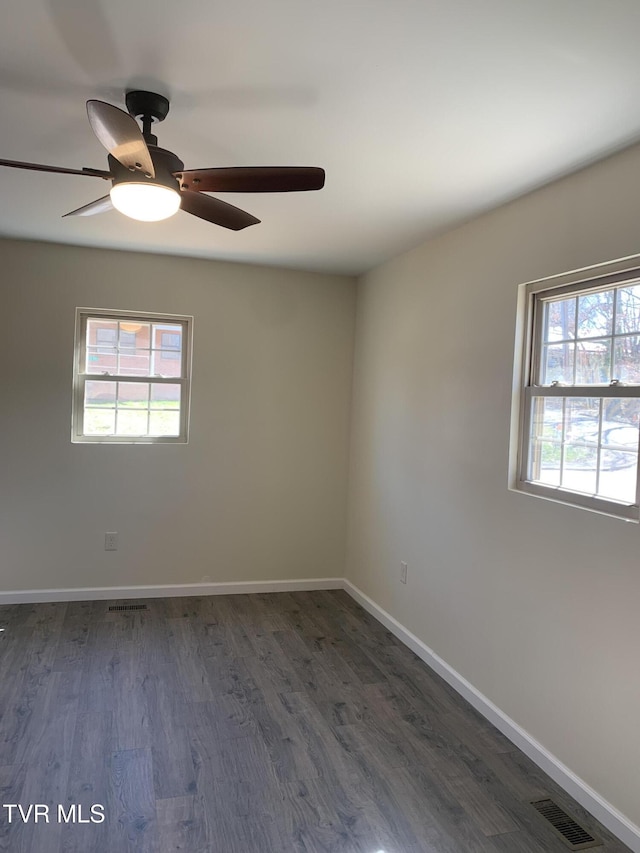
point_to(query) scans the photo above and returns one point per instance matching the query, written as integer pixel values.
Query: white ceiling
(422, 112)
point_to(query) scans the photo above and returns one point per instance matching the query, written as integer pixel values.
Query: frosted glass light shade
(146, 202)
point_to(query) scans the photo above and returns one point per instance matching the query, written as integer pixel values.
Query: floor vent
(574, 835)
(128, 607)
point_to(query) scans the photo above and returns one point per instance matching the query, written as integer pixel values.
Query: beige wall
(259, 493)
(535, 603)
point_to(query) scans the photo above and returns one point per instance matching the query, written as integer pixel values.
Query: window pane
(593, 362)
(628, 310)
(595, 314)
(544, 462)
(580, 451)
(165, 364)
(134, 362)
(171, 342)
(167, 336)
(167, 345)
(106, 341)
(546, 437)
(99, 421)
(571, 463)
(582, 420)
(134, 334)
(99, 408)
(131, 422)
(102, 333)
(546, 420)
(100, 394)
(101, 360)
(618, 473)
(164, 423)
(127, 339)
(619, 451)
(133, 395)
(620, 420)
(106, 336)
(627, 359)
(579, 468)
(557, 364)
(165, 396)
(560, 320)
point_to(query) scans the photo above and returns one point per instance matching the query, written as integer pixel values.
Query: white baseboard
(102, 593)
(602, 810)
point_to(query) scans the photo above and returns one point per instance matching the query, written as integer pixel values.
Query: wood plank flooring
(250, 724)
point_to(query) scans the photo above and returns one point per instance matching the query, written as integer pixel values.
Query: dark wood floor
(250, 724)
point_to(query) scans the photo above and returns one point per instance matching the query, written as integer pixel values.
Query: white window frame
(528, 339)
(80, 376)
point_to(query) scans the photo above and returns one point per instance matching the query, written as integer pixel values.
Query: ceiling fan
(150, 183)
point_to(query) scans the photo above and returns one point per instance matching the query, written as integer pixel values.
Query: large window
(580, 395)
(131, 377)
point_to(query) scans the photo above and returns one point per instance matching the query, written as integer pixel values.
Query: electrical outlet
(110, 541)
(403, 572)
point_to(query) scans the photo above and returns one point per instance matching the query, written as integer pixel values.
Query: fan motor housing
(165, 164)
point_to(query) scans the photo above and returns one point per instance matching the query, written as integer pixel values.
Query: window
(580, 395)
(131, 377)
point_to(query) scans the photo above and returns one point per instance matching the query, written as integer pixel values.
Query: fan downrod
(147, 107)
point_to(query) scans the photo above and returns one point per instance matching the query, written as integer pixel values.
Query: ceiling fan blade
(38, 167)
(254, 179)
(100, 205)
(216, 211)
(120, 135)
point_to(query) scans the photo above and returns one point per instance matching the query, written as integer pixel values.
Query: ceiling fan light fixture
(134, 156)
(146, 202)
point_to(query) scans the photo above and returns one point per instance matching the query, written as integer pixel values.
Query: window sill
(623, 512)
(125, 439)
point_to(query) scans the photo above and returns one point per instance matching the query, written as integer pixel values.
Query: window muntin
(580, 415)
(131, 377)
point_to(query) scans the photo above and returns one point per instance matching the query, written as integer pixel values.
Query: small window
(579, 413)
(131, 377)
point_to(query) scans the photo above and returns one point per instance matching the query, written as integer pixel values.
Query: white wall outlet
(403, 572)
(110, 541)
